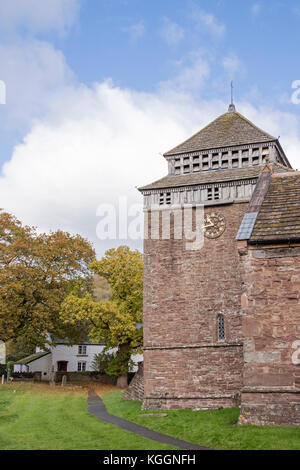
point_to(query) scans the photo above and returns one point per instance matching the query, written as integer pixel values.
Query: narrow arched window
(221, 328)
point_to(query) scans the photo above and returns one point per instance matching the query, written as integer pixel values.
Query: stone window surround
(228, 339)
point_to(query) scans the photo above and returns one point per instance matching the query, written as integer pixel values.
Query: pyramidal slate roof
(227, 130)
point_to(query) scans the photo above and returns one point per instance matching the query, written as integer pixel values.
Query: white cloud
(34, 72)
(208, 20)
(38, 15)
(135, 31)
(171, 32)
(98, 144)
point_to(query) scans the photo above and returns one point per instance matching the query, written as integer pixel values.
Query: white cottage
(64, 358)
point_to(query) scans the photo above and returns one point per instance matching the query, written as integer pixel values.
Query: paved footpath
(97, 408)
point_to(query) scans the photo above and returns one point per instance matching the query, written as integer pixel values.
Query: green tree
(37, 271)
(113, 322)
(108, 362)
(18, 348)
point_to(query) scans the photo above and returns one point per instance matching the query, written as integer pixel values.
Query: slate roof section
(206, 177)
(227, 130)
(279, 215)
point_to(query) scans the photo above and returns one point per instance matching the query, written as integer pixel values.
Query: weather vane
(231, 108)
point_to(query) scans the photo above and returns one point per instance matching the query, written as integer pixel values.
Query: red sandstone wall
(184, 291)
(271, 324)
(135, 391)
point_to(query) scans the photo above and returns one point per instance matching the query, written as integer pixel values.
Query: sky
(97, 90)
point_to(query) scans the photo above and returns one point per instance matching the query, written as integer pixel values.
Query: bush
(112, 363)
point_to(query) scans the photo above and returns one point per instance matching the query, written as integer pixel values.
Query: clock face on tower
(214, 224)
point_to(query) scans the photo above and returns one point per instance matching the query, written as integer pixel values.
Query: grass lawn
(39, 417)
(213, 429)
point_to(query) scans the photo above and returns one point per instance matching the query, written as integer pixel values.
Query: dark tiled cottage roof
(227, 130)
(279, 215)
(206, 177)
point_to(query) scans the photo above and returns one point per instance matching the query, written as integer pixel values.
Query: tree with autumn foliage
(37, 272)
(113, 321)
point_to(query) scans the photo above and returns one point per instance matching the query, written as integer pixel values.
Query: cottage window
(81, 366)
(221, 328)
(82, 349)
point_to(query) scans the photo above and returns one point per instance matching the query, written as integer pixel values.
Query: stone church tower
(193, 348)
